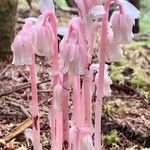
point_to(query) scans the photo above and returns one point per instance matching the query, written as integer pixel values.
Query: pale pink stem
(51, 118)
(76, 100)
(34, 106)
(52, 126)
(59, 131)
(76, 142)
(102, 51)
(56, 117)
(65, 112)
(88, 101)
(58, 123)
(78, 110)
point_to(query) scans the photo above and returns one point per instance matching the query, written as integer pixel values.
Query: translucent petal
(73, 50)
(131, 10)
(96, 12)
(122, 25)
(29, 134)
(46, 5)
(113, 50)
(24, 45)
(62, 30)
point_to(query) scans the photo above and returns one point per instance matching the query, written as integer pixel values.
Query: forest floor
(126, 114)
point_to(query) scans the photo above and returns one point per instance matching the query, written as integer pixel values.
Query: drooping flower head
(73, 50)
(85, 6)
(123, 20)
(45, 36)
(113, 49)
(91, 13)
(46, 28)
(24, 44)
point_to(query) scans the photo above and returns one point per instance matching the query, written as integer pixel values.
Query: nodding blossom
(122, 21)
(91, 13)
(81, 138)
(45, 35)
(113, 50)
(46, 29)
(94, 71)
(84, 6)
(46, 5)
(73, 50)
(24, 44)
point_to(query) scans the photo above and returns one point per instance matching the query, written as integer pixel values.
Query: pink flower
(123, 20)
(91, 13)
(122, 25)
(85, 6)
(45, 35)
(73, 50)
(24, 44)
(46, 5)
(113, 50)
(81, 137)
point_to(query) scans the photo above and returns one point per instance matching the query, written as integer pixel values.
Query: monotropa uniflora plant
(73, 74)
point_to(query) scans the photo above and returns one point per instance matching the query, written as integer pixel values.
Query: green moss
(137, 81)
(112, 108)
(121, 62)
(116, 69)
(111, 139)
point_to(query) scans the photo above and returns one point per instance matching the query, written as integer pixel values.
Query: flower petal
(46, 5)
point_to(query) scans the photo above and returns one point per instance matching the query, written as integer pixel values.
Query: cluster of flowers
(72, 63)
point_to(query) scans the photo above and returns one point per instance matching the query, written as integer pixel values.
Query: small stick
(6, 91)
(19, 106)
(4, 71)
(20, 128)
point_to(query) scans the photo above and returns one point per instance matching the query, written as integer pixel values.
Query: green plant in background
(145, 19)
(138, 81)
(116, 69)
(112, 108)
(111, 139)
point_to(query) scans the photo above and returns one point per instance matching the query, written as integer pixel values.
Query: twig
(125, 88)
(4, 71)
(6, 91)
(45, 91)
(20, 128)
(18, 105)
